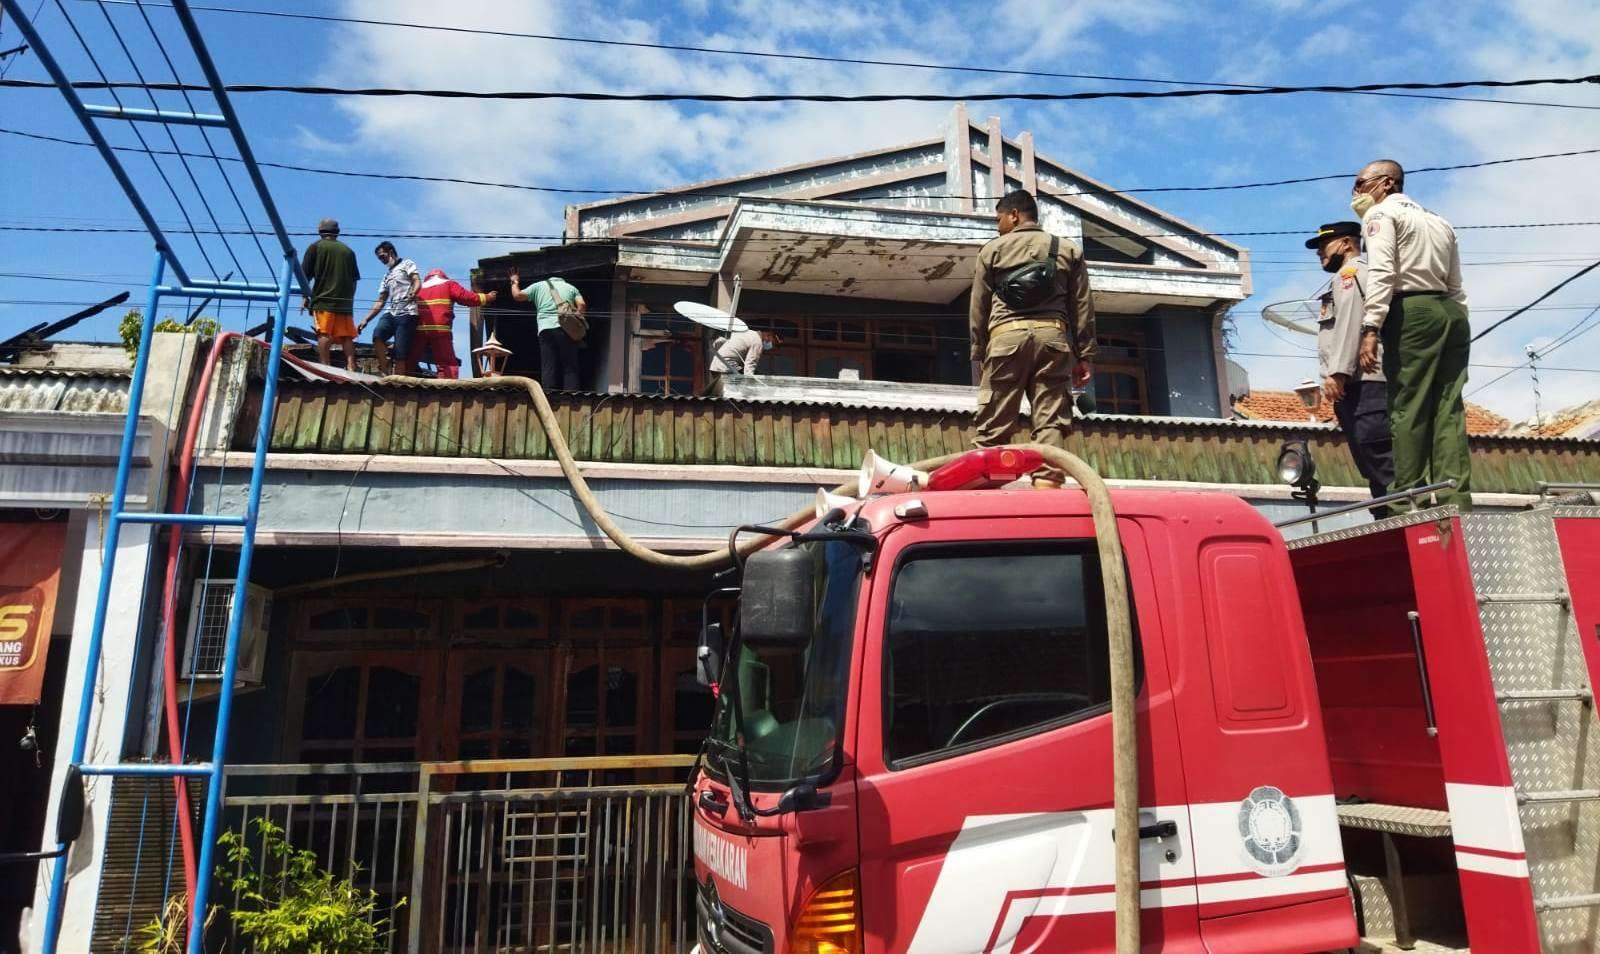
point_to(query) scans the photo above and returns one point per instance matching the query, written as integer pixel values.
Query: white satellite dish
(714, 318)
(1297, 314)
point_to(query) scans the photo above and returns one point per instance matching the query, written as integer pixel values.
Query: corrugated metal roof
(657, 429)
(63, 389)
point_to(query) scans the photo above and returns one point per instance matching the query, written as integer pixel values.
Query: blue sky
(1127, 144)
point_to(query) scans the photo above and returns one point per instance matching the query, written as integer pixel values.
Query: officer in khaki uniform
(1037, 344)
(1360, 398)
(1416, 306)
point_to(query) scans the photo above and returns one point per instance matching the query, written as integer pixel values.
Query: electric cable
(205, 136)
(1565, 338)
(630, 193)
(524, 237)
(768, 54)
(134, 128)
(596, 96)
(173, 139)
(1528, 307)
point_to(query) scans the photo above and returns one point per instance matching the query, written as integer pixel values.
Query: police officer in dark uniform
(1360, 398)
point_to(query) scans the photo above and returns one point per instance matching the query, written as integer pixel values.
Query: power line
(1557, 287)
(977, 97)
(517, 237)
(770, 54)
(647, 193)
(1565, 338)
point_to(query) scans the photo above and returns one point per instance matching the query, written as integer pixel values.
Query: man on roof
(1416, 306)
(1032, 325)
(330, 266)
(436, 300)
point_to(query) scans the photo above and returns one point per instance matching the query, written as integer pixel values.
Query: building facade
(442, 610)
(862, 265)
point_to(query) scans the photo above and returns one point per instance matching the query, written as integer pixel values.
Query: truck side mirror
(777, 603)
(708, 656)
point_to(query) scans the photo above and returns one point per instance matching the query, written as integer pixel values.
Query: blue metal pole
(57, 76)
(230, 653)
(108, 565)
(219, 294)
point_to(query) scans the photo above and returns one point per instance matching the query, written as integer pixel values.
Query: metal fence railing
(506, 855)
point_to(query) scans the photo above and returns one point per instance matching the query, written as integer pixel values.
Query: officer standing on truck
(1032, 326)
(1416, 306)
(1360, 398)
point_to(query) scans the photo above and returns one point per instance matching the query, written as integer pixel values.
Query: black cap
(1333, 230)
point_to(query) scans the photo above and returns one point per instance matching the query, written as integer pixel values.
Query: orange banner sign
(30, 567)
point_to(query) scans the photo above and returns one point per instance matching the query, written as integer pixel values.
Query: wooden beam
(820, 191)
(997, 159)
(1134, 228)
(1030, 175)
(622, 369)
(958, 158)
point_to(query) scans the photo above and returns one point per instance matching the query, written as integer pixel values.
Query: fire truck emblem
(1270, 829)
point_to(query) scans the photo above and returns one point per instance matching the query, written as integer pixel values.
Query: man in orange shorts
(330, 266)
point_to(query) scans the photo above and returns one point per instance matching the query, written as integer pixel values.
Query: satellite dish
(714, 318)
(1297, 314)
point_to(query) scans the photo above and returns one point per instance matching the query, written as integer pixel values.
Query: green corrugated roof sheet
(652, 429)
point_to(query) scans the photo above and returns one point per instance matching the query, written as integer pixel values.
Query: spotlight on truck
(1297, 469)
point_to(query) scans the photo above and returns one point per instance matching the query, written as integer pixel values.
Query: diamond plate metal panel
(1410, 519)
(1553, 745)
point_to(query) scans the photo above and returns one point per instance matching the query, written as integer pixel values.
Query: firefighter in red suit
(435, 313)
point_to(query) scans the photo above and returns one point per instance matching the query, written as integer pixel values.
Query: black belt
(1412, 294)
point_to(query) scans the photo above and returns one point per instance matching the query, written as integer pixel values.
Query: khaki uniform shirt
(739, 353)
(1339, 328)
(1071, 301)
(1409, 249)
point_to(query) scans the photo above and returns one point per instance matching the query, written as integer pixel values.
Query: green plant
(296, 907)
(168, 932)
(133, 322)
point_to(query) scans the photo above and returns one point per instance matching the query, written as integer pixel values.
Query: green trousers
(1426, 341)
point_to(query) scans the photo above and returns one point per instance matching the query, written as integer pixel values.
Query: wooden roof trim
(810, 194)
(1042, 159)
(780, 170)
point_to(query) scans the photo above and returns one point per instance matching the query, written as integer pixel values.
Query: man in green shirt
(558, 350)
(330, 267)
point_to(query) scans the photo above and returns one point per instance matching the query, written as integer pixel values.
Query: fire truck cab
(913, 746)
(942, 736)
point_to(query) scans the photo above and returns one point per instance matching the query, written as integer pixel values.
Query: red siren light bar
(988, 467)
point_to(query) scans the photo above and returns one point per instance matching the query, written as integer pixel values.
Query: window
(358, 707)
(671, 354)
(1119, 381)
(874, 349)
(983, 646)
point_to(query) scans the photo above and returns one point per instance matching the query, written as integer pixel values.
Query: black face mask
(1334, 263)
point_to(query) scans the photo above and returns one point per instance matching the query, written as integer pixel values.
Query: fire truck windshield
(792, 696)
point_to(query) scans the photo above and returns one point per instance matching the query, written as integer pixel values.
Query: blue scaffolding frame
(184, 285)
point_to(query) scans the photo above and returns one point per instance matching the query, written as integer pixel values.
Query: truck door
(984, 744)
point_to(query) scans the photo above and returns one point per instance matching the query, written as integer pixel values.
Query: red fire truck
(1360, 736)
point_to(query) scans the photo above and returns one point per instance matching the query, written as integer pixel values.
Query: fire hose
(1124, 722)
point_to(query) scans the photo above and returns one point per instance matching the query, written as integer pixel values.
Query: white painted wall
(108, 728)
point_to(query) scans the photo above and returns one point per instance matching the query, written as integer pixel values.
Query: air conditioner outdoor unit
(208, 632)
